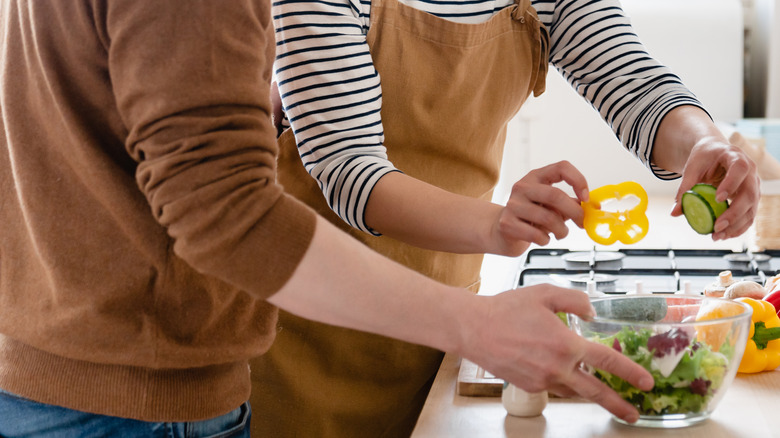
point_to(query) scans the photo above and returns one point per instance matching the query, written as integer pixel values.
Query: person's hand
(715, 161)
(523, 341)
(536, 208)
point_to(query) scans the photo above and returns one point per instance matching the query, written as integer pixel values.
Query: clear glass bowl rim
(748, 311)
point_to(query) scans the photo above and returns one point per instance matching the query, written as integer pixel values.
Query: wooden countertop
(749, 408)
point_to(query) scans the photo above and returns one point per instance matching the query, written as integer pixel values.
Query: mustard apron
(448, 91)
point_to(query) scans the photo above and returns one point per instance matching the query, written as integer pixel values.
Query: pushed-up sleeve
(192, 86)
(594, 47)
(332, 97)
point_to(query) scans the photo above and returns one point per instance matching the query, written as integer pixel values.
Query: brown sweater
(141, 225)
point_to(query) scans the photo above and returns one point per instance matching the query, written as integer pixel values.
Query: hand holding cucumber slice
(701, 209)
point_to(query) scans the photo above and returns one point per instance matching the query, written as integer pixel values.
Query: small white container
(520, 403)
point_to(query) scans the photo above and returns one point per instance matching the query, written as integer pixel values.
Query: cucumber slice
(708, 193)
(698, 212)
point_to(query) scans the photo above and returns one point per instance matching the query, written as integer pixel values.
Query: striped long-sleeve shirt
(332, 94)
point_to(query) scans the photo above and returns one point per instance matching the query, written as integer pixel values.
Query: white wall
(772, 11)
(701, 40)
(762, 62)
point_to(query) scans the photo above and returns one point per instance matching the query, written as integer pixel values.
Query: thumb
(574, 301)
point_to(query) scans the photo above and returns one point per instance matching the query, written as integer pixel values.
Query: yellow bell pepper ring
(762, 351)
(606, 227)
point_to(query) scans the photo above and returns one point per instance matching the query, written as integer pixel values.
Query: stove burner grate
(590, 256)
(740, 257)
(597, 278)
(657, 270)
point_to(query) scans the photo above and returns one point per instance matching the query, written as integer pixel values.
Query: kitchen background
(726, 51)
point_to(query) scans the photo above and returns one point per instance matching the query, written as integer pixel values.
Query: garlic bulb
(520, 403)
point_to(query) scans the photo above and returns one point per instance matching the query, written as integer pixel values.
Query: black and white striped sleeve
(594, 47)
(332, 97)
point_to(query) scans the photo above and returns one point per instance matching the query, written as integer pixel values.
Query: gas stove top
(643, 270)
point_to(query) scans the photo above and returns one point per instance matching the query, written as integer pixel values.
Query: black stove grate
(650, 270)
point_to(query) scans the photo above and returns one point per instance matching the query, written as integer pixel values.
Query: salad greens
(687, 373)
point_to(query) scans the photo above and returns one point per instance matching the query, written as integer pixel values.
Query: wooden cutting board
(475, 381)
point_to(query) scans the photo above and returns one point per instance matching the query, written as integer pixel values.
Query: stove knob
(638, 289)
(687, 288)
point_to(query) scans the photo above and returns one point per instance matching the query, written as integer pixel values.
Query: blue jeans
(21, 417)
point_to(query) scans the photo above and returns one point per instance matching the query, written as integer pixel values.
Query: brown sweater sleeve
(192, 86)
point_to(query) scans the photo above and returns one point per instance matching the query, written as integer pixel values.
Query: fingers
(607, 359)
(534, 211)
(536, 203)
(563, 171)
(512, 229)
(547, 218)
(544, 204)
(734, 174)
(533, 363)
(740, 176)
(560, 299)
(598, 356)
(562, 391)
(742, 186)
(727, 230)
(590, 388)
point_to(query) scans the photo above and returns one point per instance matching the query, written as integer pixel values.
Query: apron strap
(523, 12)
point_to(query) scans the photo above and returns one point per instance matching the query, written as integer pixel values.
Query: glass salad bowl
(692, 346)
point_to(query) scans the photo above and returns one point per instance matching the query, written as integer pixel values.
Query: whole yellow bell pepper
(606, 227)
(762, 352)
